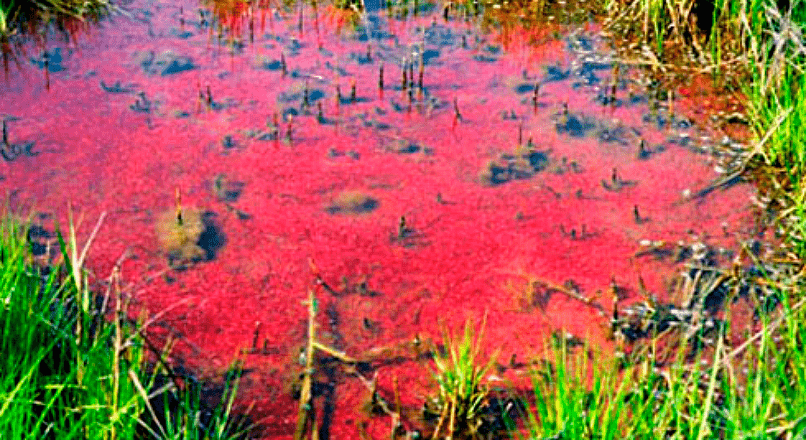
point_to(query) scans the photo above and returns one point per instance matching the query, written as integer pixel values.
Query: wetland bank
(328, 192)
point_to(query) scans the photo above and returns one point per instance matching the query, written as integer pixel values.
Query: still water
(431, 168)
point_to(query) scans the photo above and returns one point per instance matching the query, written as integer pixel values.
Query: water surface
(420, 204)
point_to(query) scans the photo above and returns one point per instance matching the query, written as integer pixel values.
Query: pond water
(491, 171)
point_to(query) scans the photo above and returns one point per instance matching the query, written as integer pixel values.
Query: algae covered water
(428, 168)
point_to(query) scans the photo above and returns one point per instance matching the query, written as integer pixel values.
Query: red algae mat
(420, 204)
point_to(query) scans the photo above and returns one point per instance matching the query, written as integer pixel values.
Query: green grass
(75, 366)
(20, 17)
(462, 387)
(756, 390)
(750, 46)
(776, 107)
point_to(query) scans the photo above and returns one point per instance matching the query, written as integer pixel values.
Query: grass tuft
(74, 364)
(462, 388)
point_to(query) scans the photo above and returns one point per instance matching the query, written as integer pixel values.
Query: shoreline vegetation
(686, 371)
(24, 19)
(77, 366)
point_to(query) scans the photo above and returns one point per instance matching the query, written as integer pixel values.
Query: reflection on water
(431, 169)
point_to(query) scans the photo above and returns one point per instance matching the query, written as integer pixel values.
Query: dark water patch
(573, 125)
(334, 153)
(482, 58)
(523, 163)
(429, 56)
(363, 58)
(212, 238)
(374, 30)
(682, 139)
(594, 66)
(580, 43)
(556, 73)
(142, 104)
(302, 94)
(11, 152)
(488, 54)
(375, 124)
(289, 112)
(352, 202)
(270, 64)
(181, 34)
(371, 6)
(293, 46)
(618, 134)
(51, 60)
(605, 97)
(645, 151)
(229, 142)
(566, 166)
(406, 146)
(341, 71)
(226, 189)
(216, 105)
(523, 88)
(588, 79)
(509, 115)
(117, 87)
(442, 36)
(164, 64)
(352, 98)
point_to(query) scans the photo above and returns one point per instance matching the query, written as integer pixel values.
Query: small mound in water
(187, 237)
(352, 202)
(523, 163)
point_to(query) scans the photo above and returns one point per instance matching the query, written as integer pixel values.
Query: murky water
(429, 171)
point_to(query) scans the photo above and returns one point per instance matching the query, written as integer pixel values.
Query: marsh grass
(756, 389)
(460, 374)
(754, 48)
(22, 21)
(76, 366)
(17, 16)
(776, 107)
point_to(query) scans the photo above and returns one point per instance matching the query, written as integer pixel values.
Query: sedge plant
(753, 389)
(460, 374)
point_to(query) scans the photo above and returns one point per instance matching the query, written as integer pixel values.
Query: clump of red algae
(529, 251)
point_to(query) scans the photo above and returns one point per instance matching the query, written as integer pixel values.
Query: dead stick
(305, 412)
